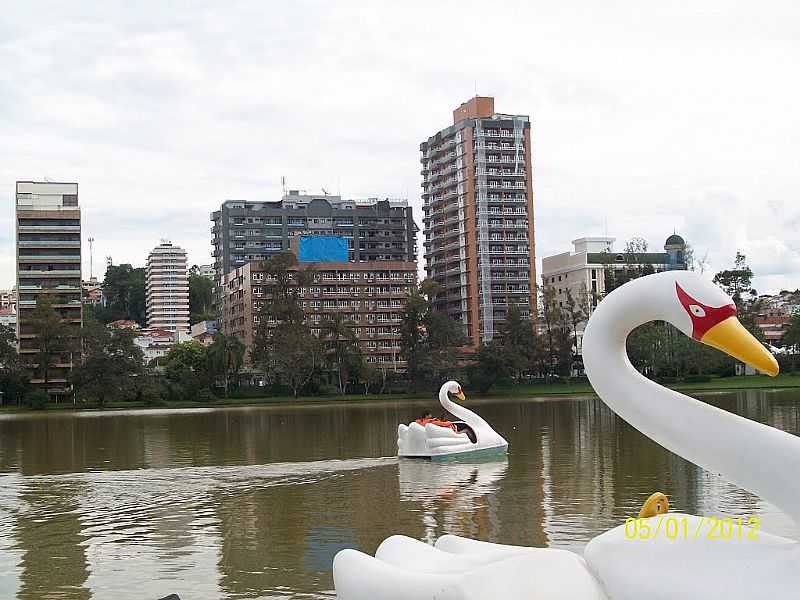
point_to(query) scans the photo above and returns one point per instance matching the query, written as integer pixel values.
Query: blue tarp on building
(319, 248)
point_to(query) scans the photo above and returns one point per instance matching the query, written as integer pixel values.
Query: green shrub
(697, 378)
(37, 399)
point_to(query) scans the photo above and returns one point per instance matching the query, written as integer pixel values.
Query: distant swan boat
(471, 436)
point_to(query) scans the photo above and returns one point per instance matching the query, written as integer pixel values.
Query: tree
(342, 349)
(12, 372)
(284, 346)
(792, 338)
(491, 365)
(635, 264)
(186, 368)
(429, 340)
(54, 336)
(412, 332)
(110, 363)
(225, 357)
(577, 311)
(636, 245)
(201, 297)
(124, 289)
(295, 356)
(551, 316)
(517, 343)
(369, 377)
(737, 281)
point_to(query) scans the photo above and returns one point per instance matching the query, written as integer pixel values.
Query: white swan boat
(471, 437)
(754, 456)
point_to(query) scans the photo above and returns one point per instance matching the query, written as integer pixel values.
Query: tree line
(109, 366)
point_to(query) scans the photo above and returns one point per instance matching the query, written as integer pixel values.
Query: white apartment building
(167, 288)
(579, 271)
(8, 300)
(207, 271)
(582, 271)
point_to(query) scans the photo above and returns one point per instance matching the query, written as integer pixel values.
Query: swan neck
(756, 457)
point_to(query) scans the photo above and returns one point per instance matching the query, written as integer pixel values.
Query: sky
(647, 117)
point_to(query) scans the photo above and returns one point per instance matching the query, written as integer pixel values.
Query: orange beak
(733, 339)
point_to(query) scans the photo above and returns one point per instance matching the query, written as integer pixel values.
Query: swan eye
(697, 311)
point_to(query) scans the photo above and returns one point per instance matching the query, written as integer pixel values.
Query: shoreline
(727, 384)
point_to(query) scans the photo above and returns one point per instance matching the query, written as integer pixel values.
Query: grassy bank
(518, 391)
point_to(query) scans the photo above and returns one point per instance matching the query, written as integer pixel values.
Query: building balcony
(49, 228)
(48, 258)
(53, 273)
(49, 243)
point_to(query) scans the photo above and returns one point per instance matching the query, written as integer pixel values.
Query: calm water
(254, 502)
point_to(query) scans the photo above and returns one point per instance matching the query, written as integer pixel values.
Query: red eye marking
(703, 317)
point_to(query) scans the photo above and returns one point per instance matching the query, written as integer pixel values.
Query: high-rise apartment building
(247, 231)
(478, 202)
(167, 288)
(49, 266)
(371, 296)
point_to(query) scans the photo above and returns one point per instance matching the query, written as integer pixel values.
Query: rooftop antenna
(324, 192)
(283, 184)
(91, 257)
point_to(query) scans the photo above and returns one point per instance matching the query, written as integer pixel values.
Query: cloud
(646, 117)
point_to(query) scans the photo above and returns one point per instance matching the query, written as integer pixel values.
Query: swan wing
(417, 556)
(411, 440)
(443, 440)
(358, 576)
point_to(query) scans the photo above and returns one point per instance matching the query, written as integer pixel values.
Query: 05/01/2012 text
(675, 528)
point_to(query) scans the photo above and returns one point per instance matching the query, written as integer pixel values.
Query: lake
(254, 502)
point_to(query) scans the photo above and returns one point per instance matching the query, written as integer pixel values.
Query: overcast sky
(647, 118)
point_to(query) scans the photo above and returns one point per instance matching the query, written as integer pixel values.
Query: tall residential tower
(49, 268)
(478, 202)
(167, 288)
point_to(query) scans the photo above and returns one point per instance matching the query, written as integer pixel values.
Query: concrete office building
(49, 264)
(247, 231)
(478, 202)
(167, 289)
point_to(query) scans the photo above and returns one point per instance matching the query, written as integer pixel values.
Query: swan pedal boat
(756, 457)
(474, 438)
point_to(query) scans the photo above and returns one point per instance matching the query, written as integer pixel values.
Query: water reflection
(50, 538)
(254, 503)
(453, 496)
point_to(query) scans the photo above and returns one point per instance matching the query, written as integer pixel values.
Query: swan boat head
(702, 311)
(656, 504)
(454, 388)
